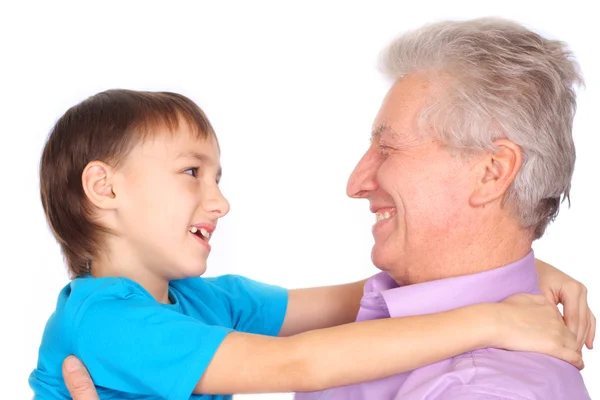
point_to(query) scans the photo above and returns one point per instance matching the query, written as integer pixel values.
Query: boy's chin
(188, 271)
(195, 271)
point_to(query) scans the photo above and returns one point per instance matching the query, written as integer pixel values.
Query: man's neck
(484, 251)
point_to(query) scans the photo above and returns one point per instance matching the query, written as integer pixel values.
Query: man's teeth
(193, 229)
(382, 216)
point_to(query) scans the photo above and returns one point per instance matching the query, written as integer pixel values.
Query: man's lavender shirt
(488, 374)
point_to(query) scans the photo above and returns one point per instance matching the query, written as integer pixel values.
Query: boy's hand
(559, 287)
(532, 323)
(78, 380)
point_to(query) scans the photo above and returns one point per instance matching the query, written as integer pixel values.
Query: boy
(129, 184)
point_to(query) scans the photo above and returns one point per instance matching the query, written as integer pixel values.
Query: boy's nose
(217, 203)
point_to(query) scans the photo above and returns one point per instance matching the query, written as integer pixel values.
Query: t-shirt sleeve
(135, 345)
(255, 307)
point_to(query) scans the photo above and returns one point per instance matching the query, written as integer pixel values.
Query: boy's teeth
(203, 232)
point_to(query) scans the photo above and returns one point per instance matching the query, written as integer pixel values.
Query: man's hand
(78, 380)
(559, 287)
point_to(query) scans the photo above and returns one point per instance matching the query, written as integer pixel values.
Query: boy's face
(169, 197)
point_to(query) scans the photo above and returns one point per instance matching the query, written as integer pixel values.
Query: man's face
(418, 189)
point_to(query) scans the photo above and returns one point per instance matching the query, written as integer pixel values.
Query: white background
(291, 89)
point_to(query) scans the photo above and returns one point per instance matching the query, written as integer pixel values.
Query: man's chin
(385, 261)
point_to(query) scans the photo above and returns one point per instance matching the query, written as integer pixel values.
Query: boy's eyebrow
(203, 158)
(194, 154)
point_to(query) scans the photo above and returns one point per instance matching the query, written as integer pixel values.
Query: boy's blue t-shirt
(137, 348)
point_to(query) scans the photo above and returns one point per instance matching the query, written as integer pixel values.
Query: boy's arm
(362, 351)
(324, 307)
(321, 307)
(370, 350)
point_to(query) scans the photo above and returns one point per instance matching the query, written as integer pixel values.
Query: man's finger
(78, 380)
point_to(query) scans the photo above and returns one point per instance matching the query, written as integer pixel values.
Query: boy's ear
(497, 171)
(98, 186)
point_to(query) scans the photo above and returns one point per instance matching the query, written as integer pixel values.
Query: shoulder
(227, 282)
(205, 289)
(245, 290)
(87, 292)
(104, 295)
(532, 375)
(206, 283)
(95, 289)
(498, 374)
(223, 285)
(248, 305)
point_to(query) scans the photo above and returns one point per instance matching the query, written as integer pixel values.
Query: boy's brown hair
(104, 128)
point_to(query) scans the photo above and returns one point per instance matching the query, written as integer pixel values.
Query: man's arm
(321, 307)
(78, 380)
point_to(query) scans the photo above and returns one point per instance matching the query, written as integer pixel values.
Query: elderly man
(470, 156)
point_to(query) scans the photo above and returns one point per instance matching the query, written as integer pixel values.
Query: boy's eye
(191, 171)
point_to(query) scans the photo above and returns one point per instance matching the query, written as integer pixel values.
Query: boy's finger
(592, 332)
(78, 380)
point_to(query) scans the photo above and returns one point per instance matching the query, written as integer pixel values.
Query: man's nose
(364, 177)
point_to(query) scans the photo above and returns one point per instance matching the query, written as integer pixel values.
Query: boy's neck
(109, 264)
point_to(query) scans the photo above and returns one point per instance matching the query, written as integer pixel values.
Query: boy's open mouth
(201, 233)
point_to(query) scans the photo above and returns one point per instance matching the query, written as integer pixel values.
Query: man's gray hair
(504, 81)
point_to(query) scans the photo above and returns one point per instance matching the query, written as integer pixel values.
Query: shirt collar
(382, 294)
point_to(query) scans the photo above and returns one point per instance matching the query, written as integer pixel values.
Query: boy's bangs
(171, 120)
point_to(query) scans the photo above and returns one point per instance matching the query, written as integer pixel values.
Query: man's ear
(497, 171)
(97, 181)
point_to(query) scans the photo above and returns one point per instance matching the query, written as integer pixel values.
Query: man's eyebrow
(381, 128)
(203, 158)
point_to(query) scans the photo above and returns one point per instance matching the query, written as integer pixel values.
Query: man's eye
(384, 150)
(191, 171)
